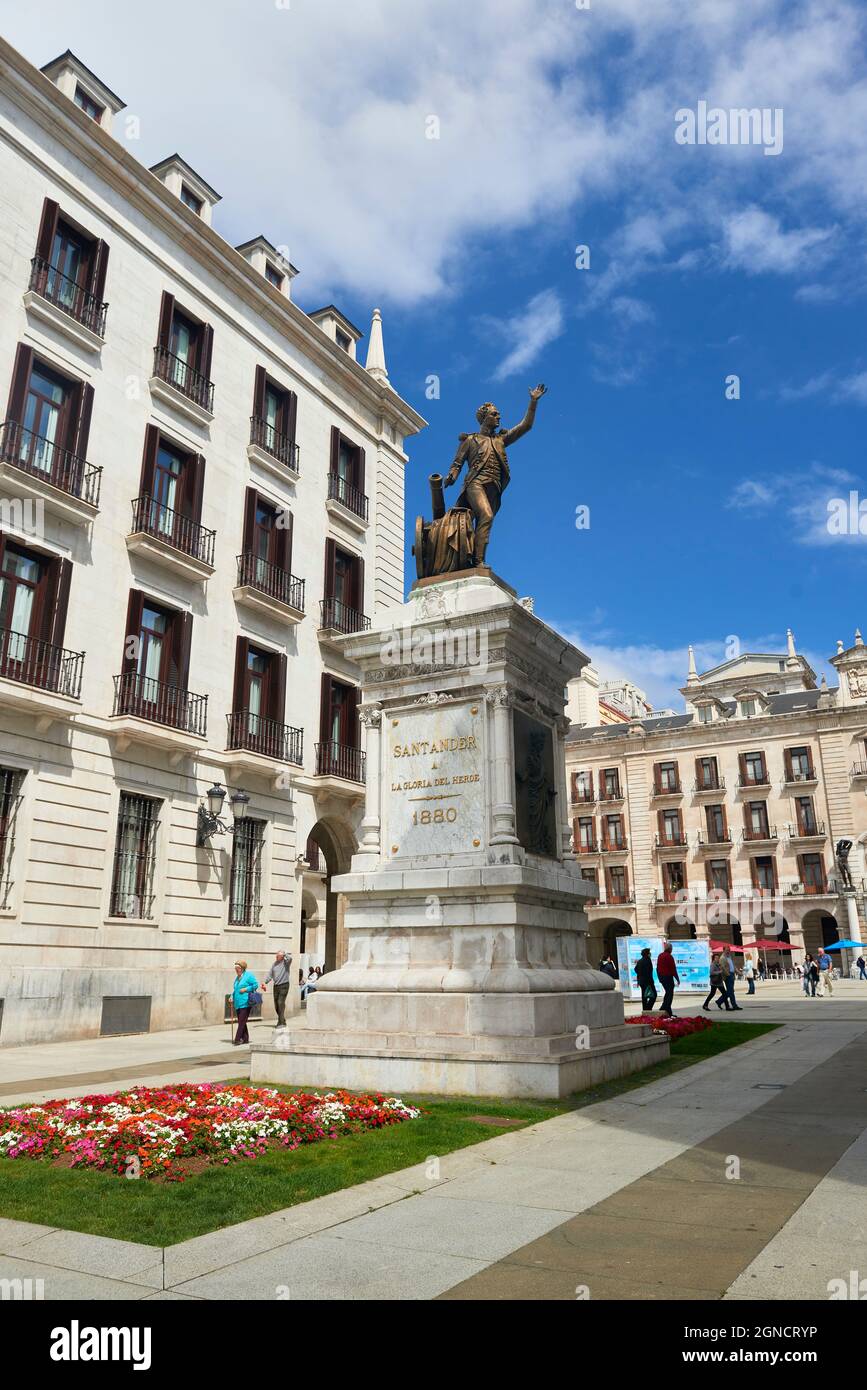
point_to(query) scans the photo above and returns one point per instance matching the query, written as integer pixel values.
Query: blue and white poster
(692, 959)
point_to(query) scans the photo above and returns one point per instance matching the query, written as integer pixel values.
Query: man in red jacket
(668, 977)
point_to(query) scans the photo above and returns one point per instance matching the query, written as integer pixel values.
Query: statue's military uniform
(487, 478)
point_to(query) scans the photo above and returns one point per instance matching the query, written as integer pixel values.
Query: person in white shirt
(750, 974)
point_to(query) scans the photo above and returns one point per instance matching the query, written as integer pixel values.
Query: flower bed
(160, 1132)
(673, 1027)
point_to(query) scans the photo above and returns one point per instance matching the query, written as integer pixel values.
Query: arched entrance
(820, 929)
(728, 931)
(680, 931)
(602, 939)
(336, 843)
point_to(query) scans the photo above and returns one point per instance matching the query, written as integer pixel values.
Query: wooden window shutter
(325, 709)
(206, 351)
(790, 771)
(359, 584)
(699, 773)
(754, 873)
(182, 635)
(676, 775)
(197, 486)
(284, 540)
(626, 882)
(775, 873)
(725, 821)
(660, 824)
(657, 777)
(680, 824)
(607, 873)
(47, 229)
(56, 610)
(259, 386)
(80, 420)
(149, 460)
(576, 839)
(335, 449)
(167, 314)
(291, 415)
(239, 688)
(708, 874)
(98, 271)
(134, 610)
(20, 381)
(330, 561)
(251, 498)
(811, 766)
(742, 765)
(362, 467)
(278, 687)
(351, 728)
(801, 869)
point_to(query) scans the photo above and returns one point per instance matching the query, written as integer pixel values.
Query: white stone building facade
(201, 489)
(722, 822)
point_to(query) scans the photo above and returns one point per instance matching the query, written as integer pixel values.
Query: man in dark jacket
(644, 976)
(668, 977)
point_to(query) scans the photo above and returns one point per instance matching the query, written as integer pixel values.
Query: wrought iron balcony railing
(278, 445)
(42, 458)
(160, 703)
(339, 490)
(764, 833)
(66, 294)
(754, 779)
(673, 788)
(152, 518)
(807, 831)
(582, 796)
(269, 579)
(716, 786)
(582, 847)
(340, 760)
(185, 378)
(335, 616)
(676, 841)
(253, 734)
(34, 662)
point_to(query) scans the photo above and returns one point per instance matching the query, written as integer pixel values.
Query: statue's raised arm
(536, 394)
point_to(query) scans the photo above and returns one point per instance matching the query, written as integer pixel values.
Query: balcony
(800, 779)
(179, 385)
(858, 772)
(759, 781)
(347, 503)
(591, 848)
(669, 895)
(34, 466)
(615, 847)
(583, 796)
(672, 842)
(618, 899)
(273, 451)
(40, 678)
(799, 889)
(173, 540)
(260, 745)
(65, 305)
(701, 788)
(705, 842)
(673, 788)
(340, 762)
(156, 712)
(610, 798)
(337, 620)
(269, 589)
(760, 835)
(807, 834)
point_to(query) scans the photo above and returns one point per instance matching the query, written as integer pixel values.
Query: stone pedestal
(467, 970)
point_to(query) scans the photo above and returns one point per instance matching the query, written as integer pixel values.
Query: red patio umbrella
(721, 946)
(765, 945)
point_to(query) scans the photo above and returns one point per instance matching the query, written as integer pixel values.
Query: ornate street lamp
(209, 820)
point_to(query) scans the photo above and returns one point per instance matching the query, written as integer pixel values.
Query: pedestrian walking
(750, 974)
(644, 976)
(811, 976)
(826, 972)
(862, 968)
(717, 983)
(668, 977)
(278, 975)
(244, 996)
(727, 962)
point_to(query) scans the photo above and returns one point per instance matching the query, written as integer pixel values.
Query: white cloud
(802, 502)
(527, 334)
(756, 242)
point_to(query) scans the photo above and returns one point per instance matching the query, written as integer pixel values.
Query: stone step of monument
(457, 1045)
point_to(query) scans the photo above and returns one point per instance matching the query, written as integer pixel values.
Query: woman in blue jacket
(245, 984)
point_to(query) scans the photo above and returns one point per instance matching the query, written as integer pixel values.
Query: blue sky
(557, 129)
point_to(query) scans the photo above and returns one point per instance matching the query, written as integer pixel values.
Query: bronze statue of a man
(488, 467)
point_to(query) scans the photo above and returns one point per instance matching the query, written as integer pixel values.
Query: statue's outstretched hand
(537, 392)
(449, 479)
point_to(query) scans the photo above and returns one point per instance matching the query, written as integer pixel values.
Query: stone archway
(820, 929)
(680, 931)
(337, 842)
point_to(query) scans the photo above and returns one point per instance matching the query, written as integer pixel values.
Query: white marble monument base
(510, 1045)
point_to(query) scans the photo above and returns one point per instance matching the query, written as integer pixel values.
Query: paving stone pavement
(626, 1199)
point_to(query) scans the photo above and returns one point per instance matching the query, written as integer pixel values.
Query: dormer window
(189, 198)
(88, 104)
(705, 714)
(272, 274)
(747, 709)
(343, 340)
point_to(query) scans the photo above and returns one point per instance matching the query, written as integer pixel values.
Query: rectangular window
(707, 774)
(618, 890)
(705, 714)
(586, 841)
(90, 107)
(189, 198)
(582, 786)
(48, 423)
(343, 604)
(764, 874)
(343, 340)
(183, 353)
(591, 876)
(673, 880)
(34, 594)
(156, 666)
(259, 699)
(806, 815)
(273, 275)
(757, 820)
(346, 474)
(799, 764)
(273, 419)
(717, 830)
(132, 883)
(666, 777)
(670, 829)
(69, 267)
(748, 708)
(171, 489)
(718, 874)
(812, 872)
(610, 784)
(11, 782)
(245, 891)
(613, 832)
(753, 769)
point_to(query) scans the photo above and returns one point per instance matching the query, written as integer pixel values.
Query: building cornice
(64, 122)
(740, 732)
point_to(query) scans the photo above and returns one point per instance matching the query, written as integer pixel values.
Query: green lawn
(163, 1214)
